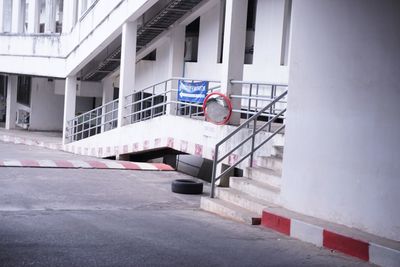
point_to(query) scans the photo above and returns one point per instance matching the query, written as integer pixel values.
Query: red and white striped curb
(317, 235)
(86, 164)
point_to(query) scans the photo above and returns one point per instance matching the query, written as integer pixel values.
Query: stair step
(279, 140)
(242, 200)
(278, 151)
(272, 162)
(229, 210)
(255, 189)
(264, 175)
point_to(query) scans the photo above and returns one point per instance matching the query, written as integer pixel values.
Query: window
(151, 56)
(24, 90)
(250, 31)
(192, 41)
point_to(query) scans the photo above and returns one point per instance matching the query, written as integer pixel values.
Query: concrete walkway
(91, 217)
(51, 140)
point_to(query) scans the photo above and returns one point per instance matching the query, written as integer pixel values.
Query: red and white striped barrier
(86, 164)
(379, 254)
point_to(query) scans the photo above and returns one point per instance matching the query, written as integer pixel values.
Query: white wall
(150, 72)
(46, 106)
(59, 56)
(342, 148)
(85, 89)
(267, 46)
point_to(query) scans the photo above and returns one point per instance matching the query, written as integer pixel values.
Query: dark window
(250, 32)
(151, 56)
(251, 14)
(24, 90)
(192, 41)
(116, 93)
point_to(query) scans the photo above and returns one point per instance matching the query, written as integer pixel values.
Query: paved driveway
(77, 217)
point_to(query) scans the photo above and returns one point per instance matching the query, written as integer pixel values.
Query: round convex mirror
(217, 108)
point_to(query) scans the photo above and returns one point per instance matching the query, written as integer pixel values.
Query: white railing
(157, 99)
(161, 98)
(98, 120)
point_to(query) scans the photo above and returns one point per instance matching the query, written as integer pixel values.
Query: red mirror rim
(228, 102)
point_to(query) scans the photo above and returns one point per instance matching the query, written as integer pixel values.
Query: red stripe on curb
(347, 245)
(129, 165)
(63, 164)
(276, 222)
(96, 164)
(163, 167)
(29, 163)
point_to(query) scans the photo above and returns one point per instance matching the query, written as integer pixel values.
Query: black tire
(184, 186)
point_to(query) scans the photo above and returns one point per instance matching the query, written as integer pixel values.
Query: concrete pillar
(69, 103)
(17, 24)
(11, 112)
(1, 15)
(50, 20)
(70, 15)
(108, 90)
(108, 94)
(176, 62)
(127, 67)
(233, 54)
(33, 16)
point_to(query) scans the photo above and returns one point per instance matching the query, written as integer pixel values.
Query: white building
(115, 61)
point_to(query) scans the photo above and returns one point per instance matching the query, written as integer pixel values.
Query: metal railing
(95, 121)
(255, 96)
(252, 121)
(155, 100)
(161, 98)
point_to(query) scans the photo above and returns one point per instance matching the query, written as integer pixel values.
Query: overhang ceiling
(106, 63)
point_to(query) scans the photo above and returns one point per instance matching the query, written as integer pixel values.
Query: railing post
(249, 102)
(214, 172)
(253, 140)
(152, 103)
(271, 109)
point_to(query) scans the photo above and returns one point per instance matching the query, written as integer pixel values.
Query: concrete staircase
(246, 197)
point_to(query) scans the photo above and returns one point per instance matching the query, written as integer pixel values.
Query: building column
(11, 112)
(17, 24)
(233, 51)
(108, 94)
(127, 67)
(33, 16)
(1, 15)
(69, 103)
(69, 16)
(176, 62)
(50, 21)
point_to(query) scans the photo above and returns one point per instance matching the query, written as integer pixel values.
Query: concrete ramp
(195, 137)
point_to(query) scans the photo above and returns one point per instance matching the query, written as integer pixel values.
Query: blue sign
(193, 92)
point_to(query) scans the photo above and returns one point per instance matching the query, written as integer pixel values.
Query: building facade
(106, 73)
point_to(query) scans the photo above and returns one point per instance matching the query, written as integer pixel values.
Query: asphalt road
(78, 217)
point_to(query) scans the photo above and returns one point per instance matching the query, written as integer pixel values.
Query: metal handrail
(97, 119)
(257, 82)
(252, 137)
(160, 92)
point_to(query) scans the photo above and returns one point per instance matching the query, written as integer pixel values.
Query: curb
(86, 164)
(321, 237)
